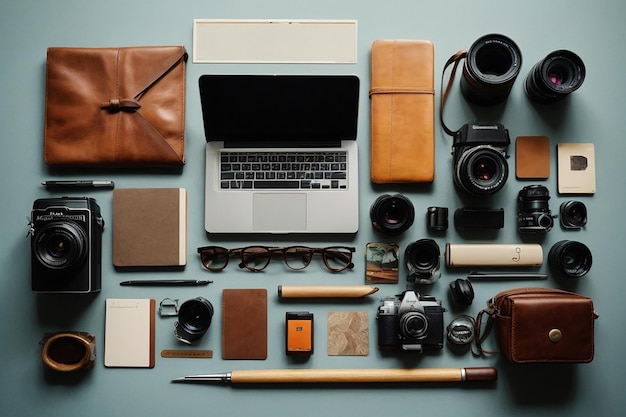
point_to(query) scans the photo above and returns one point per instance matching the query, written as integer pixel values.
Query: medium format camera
(480, 151)
(533, 211)
(410, 322)
(66, 245)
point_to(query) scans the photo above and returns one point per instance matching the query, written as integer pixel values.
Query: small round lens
(485, 169)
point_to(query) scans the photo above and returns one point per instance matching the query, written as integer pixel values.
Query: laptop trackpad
(279, 212)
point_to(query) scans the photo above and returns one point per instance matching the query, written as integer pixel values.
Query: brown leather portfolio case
(402, 115)
(115, 107)
(244, 324)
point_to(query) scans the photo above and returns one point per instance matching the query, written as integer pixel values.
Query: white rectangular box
(274, 41)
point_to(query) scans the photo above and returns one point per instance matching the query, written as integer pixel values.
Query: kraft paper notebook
(149, 227)
(129, 332)
(244, 324)
(402, 99)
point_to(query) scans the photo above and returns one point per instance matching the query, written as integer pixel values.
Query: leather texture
(68, 351)
(244, 324)
(402, 99)
(537, 325)
(115, 107)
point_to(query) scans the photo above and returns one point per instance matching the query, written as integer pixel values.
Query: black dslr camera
(480, 151)
(66, 245)
(410, 322)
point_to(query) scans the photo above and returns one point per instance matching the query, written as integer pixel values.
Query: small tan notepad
(129, 332)
(576, 168)
(532, 157)
(149, 227)
(244, 324)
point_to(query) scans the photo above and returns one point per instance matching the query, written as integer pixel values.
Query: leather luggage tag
(532, 157)
(244, 324)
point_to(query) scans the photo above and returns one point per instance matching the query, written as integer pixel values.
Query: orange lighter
(299, 333)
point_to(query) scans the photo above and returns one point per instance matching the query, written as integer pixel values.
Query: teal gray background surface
(595, 113)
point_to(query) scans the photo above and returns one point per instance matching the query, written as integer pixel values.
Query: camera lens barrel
(559, 74)
(423, 261)
(392, 214)
(533, 210)
(481, 171)
(492, 64)
(194, 319)
(570, 258)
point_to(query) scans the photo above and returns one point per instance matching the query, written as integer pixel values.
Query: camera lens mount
(559, 74)
(491, 67)
(570, 258)
(481, 170)
(392, 214)
(60, 245)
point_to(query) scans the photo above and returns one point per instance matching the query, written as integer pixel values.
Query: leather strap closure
(480, 338)
(115, 105)
(68, 351)
(454, 59)
(401, 90)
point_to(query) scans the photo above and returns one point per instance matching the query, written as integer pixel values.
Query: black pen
(505, 275)
(165, 282)
(79, 183)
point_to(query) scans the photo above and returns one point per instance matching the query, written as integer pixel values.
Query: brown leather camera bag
(115, 107)
(540, 325)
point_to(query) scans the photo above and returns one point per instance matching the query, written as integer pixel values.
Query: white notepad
(129, 332)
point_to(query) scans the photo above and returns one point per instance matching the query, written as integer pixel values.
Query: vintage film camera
(480, 151)
(409, 321)
(66, 245)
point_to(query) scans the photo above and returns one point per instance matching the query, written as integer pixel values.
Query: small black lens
(194, 319)
(560, 73)
(423, 261)
(491, 67)
(573, 214)
(533, 210)
(392, 214)
(569, 258)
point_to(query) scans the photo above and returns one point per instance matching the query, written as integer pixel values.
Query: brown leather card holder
(115, 107)
(402, 100)
(244, 324)
(532, 157)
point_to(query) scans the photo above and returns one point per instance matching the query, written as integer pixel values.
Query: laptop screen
(276, 108)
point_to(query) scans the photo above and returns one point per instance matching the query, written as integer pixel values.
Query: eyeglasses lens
(297, 257)
(214, 258)
(255, 258)
(338, 259)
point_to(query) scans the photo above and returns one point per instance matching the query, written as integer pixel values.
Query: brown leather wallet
(244, 324)
(115, 107)
(402, 115)
(541, 325)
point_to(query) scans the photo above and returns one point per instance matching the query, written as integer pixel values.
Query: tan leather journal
(402, 99)
(115, 107)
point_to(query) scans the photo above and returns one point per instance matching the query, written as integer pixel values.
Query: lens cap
(194, 319)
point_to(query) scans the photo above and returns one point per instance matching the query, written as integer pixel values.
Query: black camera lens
(422, 261)
(437, 219)
(570, 258)
(194, 319)
(60, 245)
(413, 325)
(491, 67)
(533, 210)
(573, 214)
(560, 73)
(392, 214)
(481, 171)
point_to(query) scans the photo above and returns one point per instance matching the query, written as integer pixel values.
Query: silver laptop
(281, 153)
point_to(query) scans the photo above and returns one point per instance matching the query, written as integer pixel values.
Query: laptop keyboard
(323, 170)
